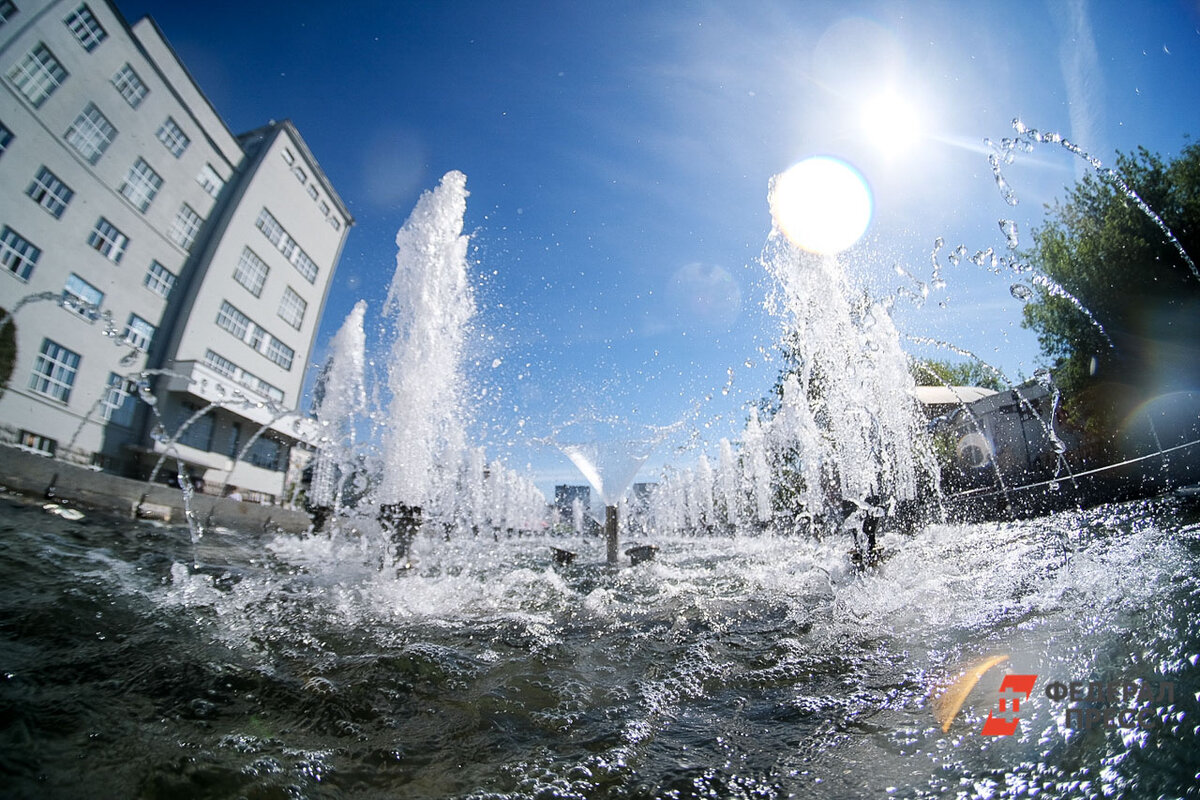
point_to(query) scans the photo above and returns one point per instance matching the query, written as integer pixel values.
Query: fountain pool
(747, 667)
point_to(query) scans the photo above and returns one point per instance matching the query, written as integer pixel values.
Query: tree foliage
(1107, 252)
(935, 372)
(8, 348)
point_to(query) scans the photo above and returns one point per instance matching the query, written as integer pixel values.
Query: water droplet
(1021, 292)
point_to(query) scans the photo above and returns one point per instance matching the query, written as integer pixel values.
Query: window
(288, 157)
(7, 9)
(279, 352)
(173, 137)
(108, 241)
(312, 191)
(324, 209)
(265, 453)
(36, 443)
(292, 308)
(37, 75)
(286, 245)
(233, 320)
(91, 134)
(81, 297)
(6, 137)
(130, 86)
(336, 223)
(210, 180)
(159, 279)
(232, 371)
(199, 433)
(299, 173)
(141, 185)
(250, 272)
(185, 227)
(138, 332)
(17, 254)
(119, 401)
(49, 192)
(54, 371)
(219, 364)
(87, 29)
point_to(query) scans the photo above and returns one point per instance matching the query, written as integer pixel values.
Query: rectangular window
(38, 444)
(130, 86)
(87, 29)
(288, 157)
(250, 272)
(159, 280)
(7, 9)
(6, 138)
(233, 320)
(185, 227)
(210, 180)
(91, 134)
(108, 241)
(81, 297)
(18, 255)
(232, 371)
(141, 185)
(138, 332)
(50, 193)
(299, 173)
(173, 137)
(265, 453)
(220, 364)
(54, 371)
(274, 232)
(292, 308)
(312, 191)
(199, 432)
(280, 353)
(324, 209)
(119, 401)
(336, 223)
(37, 75)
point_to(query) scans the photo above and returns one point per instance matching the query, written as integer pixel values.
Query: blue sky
(618, 156)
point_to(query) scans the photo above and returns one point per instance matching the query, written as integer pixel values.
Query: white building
(138, 234)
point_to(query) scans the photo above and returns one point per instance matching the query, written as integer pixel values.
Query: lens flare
(821, 204)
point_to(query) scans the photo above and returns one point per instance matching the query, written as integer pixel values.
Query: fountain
(752, 658)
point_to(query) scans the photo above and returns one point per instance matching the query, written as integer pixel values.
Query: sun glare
(889, 121)
(821, 204)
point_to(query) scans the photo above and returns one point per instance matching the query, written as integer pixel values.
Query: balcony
(237, 393)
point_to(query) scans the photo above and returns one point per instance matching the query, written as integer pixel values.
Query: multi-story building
(166, 277)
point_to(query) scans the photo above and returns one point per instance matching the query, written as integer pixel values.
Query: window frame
(49, 192)
(91, 134)
(38, 75)
(108, 240)
(53, 376)
(18, 255)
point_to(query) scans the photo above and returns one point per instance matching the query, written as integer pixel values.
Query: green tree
(934, 372)
(1107, 252)
(8, 348)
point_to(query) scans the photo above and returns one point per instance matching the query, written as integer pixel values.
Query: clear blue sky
(618, 155)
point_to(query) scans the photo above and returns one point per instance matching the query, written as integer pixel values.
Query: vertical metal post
(610, 531)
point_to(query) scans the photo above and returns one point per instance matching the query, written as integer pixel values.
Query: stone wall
(32, 474)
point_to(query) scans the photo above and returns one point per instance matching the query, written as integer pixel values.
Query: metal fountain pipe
(610, 531)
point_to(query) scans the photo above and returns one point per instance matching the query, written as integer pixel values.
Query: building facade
(166, 278)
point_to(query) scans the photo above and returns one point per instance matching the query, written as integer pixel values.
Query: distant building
(138, 234)
(565, 497)
(937, 401)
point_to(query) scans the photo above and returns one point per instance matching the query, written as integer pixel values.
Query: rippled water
(752, 667)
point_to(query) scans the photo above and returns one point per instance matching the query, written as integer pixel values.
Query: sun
(889, 122)
(821, 204)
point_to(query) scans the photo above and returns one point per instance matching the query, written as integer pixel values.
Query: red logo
(1004, 720)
